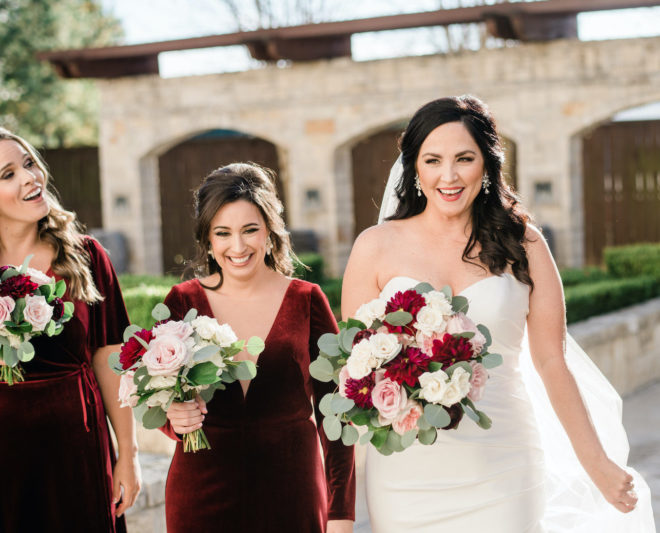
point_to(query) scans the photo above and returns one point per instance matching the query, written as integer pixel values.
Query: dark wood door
(182, 169)
(621, 186)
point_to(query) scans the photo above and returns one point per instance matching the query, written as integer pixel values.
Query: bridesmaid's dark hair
(498, 220)
(240, 181)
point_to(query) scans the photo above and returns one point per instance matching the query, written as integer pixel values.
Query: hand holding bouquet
(30, 305)
(176, 360)
(405, 367)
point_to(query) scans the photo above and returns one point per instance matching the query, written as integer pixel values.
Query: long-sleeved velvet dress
(265, 470)
(56, 456)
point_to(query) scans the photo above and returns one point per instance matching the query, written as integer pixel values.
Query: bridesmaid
(58, 463)
(270, 467)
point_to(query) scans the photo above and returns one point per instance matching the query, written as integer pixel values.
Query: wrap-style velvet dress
(270, 467)
(56, 456)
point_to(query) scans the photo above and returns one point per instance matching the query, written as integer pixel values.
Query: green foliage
(315, 271)
(129, 281)
(332, 289)
(141, 300)
(592, 299)
(576, 276)
(633, 260)
(34, 102)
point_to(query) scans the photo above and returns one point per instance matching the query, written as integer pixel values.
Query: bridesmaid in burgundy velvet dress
(270, 467)
(57, 461)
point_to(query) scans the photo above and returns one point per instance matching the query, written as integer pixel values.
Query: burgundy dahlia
(408, 366)
(410, 301)
(364, 334)
(359, 390)
(132, 350)
(455, 414)
(18, 286)
(451, 350)
(58, 308)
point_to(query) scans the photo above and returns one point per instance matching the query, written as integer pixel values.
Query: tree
(34, 102)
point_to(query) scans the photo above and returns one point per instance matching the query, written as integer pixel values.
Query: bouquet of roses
(176, 360)
(405, 367)
(30, 305)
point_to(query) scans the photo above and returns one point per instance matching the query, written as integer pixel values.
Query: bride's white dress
(520, 475)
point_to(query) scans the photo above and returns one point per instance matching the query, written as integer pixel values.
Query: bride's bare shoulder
(380, 236)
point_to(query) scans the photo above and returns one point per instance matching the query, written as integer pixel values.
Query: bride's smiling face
(450, 167)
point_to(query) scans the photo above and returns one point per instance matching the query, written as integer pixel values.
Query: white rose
(362, 360)
(430, 320)
(205, 327)
(185, 387)
(38, 276)
(438, 301)
(385, 347)
(7, 305)
(373, 310)
(224, 335)
(160, 398)
(178, 328)
(161, 382)
(14, 340)
(434, 385)
(37, 312)
(218, 361)
(458, 388)
(127, 389)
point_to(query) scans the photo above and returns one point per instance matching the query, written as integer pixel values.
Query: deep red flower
(364, 334)
(456, 414)
(410, 301)
(408, 366)
(451, 350)
(132, 350)
(18, 286)
(359, 390)
(58, 308)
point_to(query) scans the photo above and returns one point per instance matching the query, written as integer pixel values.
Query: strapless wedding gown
(519, 476)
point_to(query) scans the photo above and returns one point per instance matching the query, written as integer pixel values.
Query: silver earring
(485, 183)
(210, 252)
(418, 185)
(269, 245)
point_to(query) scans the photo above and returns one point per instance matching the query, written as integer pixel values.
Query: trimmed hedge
(141, 300)
(633, 260)
(332, 289)
(129, 281)
(576, 276)
(592, 299)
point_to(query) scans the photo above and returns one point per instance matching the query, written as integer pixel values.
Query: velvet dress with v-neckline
(269, 469)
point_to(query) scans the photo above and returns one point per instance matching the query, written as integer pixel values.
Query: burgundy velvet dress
(56, 456)
(267, 469)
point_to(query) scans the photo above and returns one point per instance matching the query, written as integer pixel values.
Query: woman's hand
(340, 526)
(186, 417)
(126, 476)
(615, 484)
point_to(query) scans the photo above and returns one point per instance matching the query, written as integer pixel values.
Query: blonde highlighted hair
(63, 232)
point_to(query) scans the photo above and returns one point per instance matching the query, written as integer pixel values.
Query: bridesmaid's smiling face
(238, 239)
(450, 167)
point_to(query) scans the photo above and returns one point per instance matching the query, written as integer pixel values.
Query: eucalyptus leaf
(142, 342)
(207, 394)
(423, 288)
(465, 335)
(9, 273)
(379, 437)
(138, 412)
(385, 449)
(332, 427)
(50, 328)
(459, 304)
(190, 315)
(68, 309)
(394, 441)
(244, 370)
(140, 373)
(427, 436)
(355, 323)
(60, 288)
(408, 438)
(206, 353)
(226, 377)
(160, 312)
(154, 418)
(46, 291)
(340, 405)
(349, 435)
(203, 374)
(114, 364)
(328, 343)
(398, 318)
(324, 405)
(255, 345)
(422, 423)
(321, 369)
(470, 413)
(25, 352)
(9, 355)
(484, 420)
(491, 360)
(346, 337)
(23, 268)
(446, 290)
(434, 366)
(436, 415)
(360, 418)
(364, 439)
(486, 333)
(461, 364)
(130, 331)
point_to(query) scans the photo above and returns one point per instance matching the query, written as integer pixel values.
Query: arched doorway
(182, 169)
(621, 185)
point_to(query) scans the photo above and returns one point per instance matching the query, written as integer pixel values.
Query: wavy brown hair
(499, 221)
(240, 181)
(63, 232)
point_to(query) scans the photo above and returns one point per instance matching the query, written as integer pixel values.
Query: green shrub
(129, 281)
(332, 289)
(315, 263)
(633, 260)
(141, 300)
(576, 276)
(592, 299)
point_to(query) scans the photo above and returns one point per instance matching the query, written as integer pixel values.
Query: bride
(539, 468)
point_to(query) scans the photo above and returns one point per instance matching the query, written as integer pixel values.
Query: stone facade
(544, 97)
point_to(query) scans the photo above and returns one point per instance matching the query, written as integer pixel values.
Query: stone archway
(181, 170)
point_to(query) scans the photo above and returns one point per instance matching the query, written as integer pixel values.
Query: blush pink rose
(407, 417)
(127, 389)
(165, 356)
(389, 398)
(459, 323)
(7, 305)
(425, 343)
(477, 381)
(343, 376)
(37, 312)
(178, 328)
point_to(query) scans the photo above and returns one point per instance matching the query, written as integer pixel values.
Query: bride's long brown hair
(63, 232)
(499, 221)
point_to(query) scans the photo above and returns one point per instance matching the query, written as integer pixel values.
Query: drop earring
(269, 245)
(485, 183)
(418, 185)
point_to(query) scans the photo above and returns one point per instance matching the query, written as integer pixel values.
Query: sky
(158, 20)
